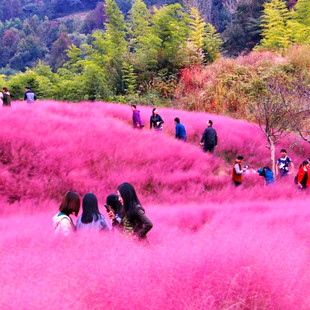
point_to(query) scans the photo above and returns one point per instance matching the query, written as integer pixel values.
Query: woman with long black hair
(156, 121)
(134, 220)
(114, 209)
(91, 217)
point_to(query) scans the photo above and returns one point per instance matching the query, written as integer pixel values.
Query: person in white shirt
(62, 221)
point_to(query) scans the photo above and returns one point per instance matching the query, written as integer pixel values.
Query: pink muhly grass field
(212, 246)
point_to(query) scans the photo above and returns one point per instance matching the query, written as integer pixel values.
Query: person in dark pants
(134, 220)
(180, 132)
(136, 118)
(29, 96)
(238, 171)
(6, 97)
(209, 138)
(156, 121)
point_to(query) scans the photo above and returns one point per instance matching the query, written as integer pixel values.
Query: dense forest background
(149, 52)
(43, 29)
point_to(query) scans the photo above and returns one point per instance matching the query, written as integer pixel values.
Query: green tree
(197, 29)
(74, 64)
(129, 78)
(276, 33)
(302, 12)
(109, 49)
(212, 44)
(170, 26)
(144, 44)
(204, 37)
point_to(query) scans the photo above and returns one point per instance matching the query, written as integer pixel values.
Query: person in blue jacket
(180, 132)
(267, 174)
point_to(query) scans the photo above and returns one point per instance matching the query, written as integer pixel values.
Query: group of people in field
(209, 140)
(284, 168)
(124, 210)
(5, 96)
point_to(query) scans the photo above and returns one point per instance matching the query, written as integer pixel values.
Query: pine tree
(197, 29)
(170, 26)
(204, 38)
(275, 32)
(129, 78)
(74, 64)
(302, 12)
(116, 45)
(212, 44)
(109, 49)
(143, 43)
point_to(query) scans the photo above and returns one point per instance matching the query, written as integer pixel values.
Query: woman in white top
(62, 222)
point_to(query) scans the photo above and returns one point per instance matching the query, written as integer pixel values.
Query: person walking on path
(180, 132)
(62, 221)
(29, 96)
(238, 171)
(6, 97)
(91, 218)
(284, 165)
(156, 121)
(209, 138)
(136, 118)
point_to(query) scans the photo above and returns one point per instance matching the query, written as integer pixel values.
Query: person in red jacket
(237, 170)
(303, 178)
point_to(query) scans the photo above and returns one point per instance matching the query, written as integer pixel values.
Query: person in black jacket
(209, 138)
(156, 121)
(134, 220)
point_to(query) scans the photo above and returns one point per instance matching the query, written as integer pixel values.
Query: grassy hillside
(213, 246)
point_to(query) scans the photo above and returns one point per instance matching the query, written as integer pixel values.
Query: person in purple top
(136, 119)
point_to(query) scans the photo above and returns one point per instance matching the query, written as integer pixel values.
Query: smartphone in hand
(107, 208)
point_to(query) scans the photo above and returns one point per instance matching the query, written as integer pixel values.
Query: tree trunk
(272, 157)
